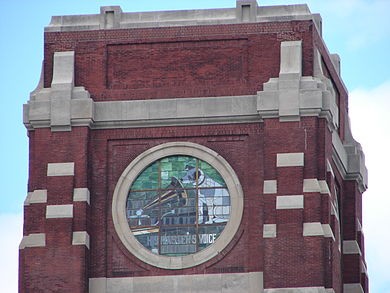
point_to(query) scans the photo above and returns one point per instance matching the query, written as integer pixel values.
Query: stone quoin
(192, 151)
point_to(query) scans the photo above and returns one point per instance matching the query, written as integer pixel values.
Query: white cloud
(370, 119)
(11, 235)
(374, 104)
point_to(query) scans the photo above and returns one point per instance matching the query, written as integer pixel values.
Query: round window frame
(130, 174)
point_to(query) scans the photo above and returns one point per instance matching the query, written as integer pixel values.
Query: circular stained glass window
(177, 205)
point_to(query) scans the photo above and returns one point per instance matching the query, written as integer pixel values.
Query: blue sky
(358, 30)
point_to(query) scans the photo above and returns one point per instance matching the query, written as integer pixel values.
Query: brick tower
(192, 151)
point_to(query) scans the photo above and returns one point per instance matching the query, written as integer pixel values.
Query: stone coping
(112, 17)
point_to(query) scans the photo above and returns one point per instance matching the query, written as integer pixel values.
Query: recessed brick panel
(177, 64)
(106, 61)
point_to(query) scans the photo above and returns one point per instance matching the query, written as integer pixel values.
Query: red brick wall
(184, 62)
(171, 62)
(58, 266)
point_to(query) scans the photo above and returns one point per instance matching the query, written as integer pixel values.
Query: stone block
(285, 202)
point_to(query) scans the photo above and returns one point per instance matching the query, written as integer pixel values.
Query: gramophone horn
(173, 192)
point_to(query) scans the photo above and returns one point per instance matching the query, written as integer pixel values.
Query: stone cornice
(112, 17)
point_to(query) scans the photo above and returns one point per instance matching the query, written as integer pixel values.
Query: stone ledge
(81, 194)
(297, 290)
(324, 188)
(351, 247)
(60, 169)
(213, 283)
(290, 160)
(353, 288)
(269, 230)
(59, 211)
(311, 185)
(33, 240)
(328, 232)
(80, 238)
(313, 229)
(315, 185)
(285, 202)
(37, 196)
(317, 229)
(270, 187)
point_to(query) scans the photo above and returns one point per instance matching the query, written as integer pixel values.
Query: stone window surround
(144, 160)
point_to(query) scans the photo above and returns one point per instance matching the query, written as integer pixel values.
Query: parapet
(112, 17)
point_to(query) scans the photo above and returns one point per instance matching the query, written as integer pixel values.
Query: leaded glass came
(178, 205)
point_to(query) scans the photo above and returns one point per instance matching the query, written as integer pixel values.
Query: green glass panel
(147, 179)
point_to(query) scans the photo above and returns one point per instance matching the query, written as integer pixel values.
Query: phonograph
(168, 202)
